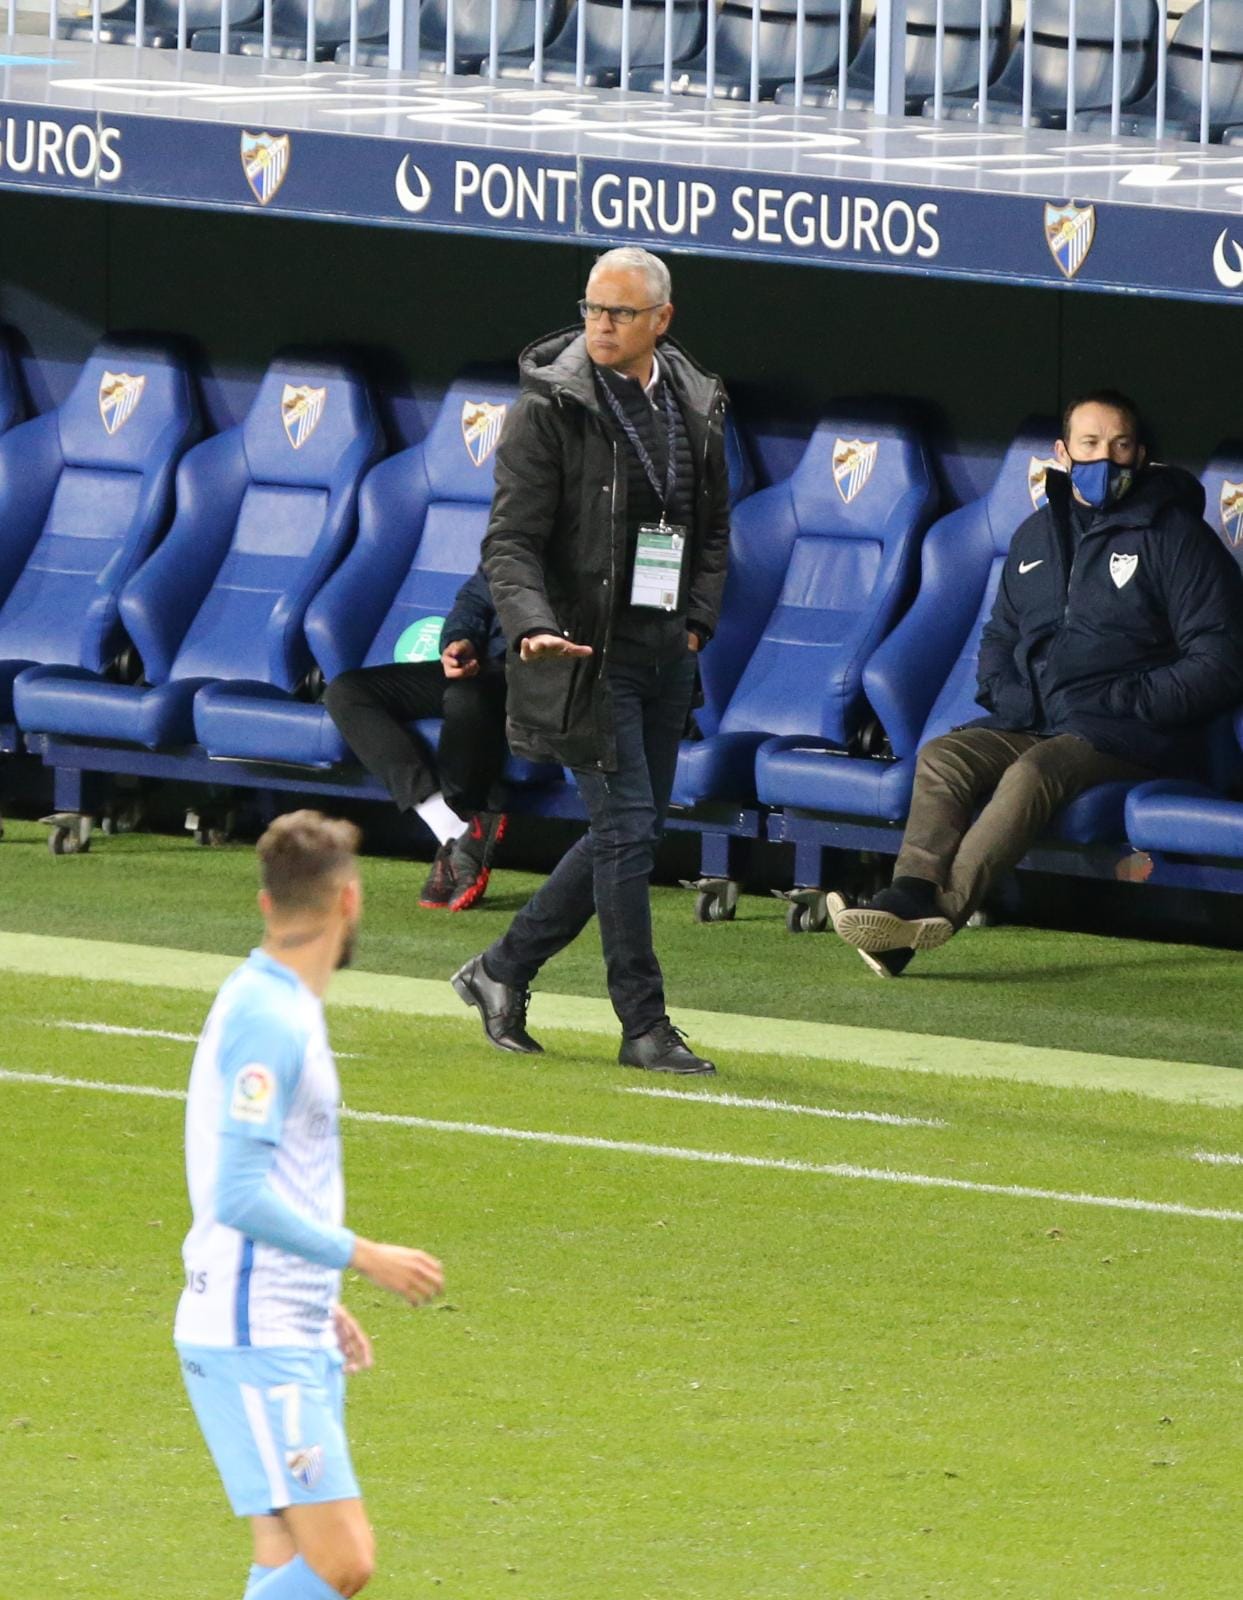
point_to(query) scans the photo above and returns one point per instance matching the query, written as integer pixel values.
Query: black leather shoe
(503, 1008)
(661, 1049)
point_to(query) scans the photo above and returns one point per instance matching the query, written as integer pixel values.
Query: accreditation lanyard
(661, 546)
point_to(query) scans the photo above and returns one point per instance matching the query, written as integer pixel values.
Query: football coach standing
(605, 554)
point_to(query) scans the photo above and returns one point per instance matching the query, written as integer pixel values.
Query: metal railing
(1146, 71)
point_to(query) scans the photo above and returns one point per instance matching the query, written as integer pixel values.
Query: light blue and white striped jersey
(262, 1070)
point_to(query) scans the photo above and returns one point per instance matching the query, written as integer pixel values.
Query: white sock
(443, 822)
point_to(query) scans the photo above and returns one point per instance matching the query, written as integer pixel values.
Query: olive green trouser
(1031, 776)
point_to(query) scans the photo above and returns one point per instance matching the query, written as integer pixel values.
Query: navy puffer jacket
(1131, 637)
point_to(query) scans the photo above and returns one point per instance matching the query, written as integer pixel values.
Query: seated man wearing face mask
(1116, 635)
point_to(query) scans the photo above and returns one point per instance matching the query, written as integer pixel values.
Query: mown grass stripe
(1180, 1082)
(720, 1158)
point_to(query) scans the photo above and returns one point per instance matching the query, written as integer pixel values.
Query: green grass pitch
(652, 1376)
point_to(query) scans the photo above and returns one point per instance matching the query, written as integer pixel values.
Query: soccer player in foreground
(264, 1342)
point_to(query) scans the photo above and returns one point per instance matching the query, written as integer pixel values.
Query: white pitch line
(888, 1118)
(111, 1027)
(723, 1158)
(144, 1033)
(1214, 1158)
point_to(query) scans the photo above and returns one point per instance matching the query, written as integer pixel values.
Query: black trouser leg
(609, 870)
(371, 707)
(472, 748)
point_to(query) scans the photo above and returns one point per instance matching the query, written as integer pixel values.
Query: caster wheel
(716, 899)
(67, 842)
(796, 919)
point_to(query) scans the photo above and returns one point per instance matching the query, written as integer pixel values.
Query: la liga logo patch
(253, 1089)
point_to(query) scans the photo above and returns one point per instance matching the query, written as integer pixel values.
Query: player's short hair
(630, 258)
(1115, 400)
(303, 857)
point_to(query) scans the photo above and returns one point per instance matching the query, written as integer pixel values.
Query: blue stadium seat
(332, 26)
(1181, 816)
(921, 680)
(12, 405)
(119, 25)
(264, 513)
(422, 515)
(960, 58)
(819, 567)
(1182, 93)
(86, 490)
(775, 50)
(472, 22)
(1223, 496)
(1094, 47)
(602, 49)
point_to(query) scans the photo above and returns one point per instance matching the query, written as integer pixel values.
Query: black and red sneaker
(438, 890)
(470, 859)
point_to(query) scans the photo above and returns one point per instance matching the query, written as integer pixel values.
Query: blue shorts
(274, 1423)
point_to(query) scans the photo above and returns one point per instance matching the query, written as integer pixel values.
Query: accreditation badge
(658, 558)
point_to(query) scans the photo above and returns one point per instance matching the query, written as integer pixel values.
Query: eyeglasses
(592, 311)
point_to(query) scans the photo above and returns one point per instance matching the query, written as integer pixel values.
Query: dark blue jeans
(608, 871)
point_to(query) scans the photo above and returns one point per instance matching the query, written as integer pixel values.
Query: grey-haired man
(606, 556)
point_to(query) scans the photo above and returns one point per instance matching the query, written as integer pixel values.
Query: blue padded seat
(775, 50)
(1223, 496)
(472, 21)
(422, 515)
(819, 566)
(86, 490)
(264, 513)
(1184, 818)
(1183, 68)
(960, 63)
(921, 680)
(1094, 48)
(332, 26)
(12, 405)
(120, 25)
(602, 25)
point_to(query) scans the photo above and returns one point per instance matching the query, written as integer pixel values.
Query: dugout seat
(1050, 64)
(86, 490)
(120, 25)
(422, 515)
(12, 405)
(602, 25)
(775, 50)
(921, 679)
(332, 28)
(1223, 496)
(819, 566)
(265, 511)
(960, 58)
(1184, 59)
(1178, 815)
(472, 21)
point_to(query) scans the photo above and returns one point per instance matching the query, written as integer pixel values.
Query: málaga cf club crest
(301, 410)
(119, 394)
(265, 161)
(853, 461)
(1231, 505)
(1036, 469)
(1069, 231)
(481, 428)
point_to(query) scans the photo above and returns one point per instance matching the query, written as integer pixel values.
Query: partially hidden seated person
(1115, 637)
(456, 791)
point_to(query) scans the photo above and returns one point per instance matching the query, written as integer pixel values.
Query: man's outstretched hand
(541, 646)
